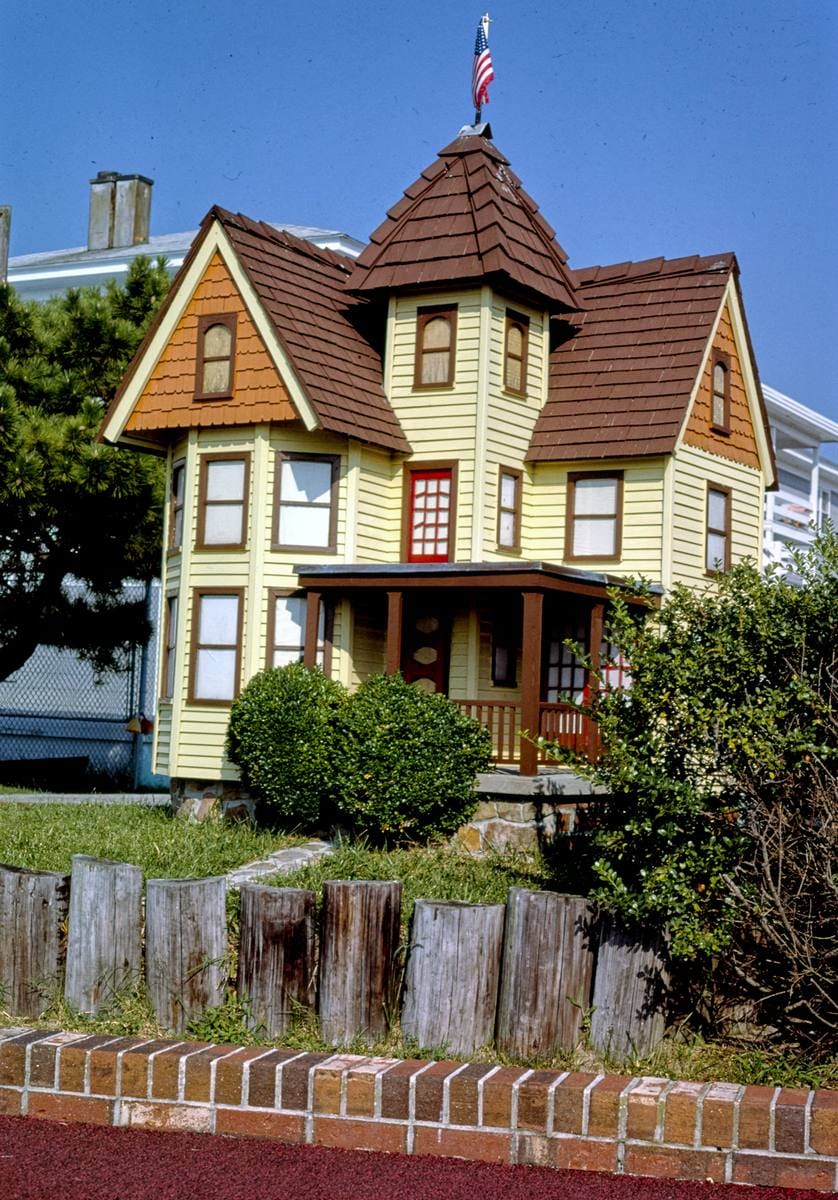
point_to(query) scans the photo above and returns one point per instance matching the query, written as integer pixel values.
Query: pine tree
(70, 507)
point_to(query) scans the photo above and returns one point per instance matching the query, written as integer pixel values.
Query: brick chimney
(120, 210)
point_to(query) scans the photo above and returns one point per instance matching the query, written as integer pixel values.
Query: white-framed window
(717, 551)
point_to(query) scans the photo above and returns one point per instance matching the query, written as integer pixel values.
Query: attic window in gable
(216, 350)
(720, 402)
(436, 342)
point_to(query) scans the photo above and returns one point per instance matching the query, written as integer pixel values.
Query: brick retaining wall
(784, 1137)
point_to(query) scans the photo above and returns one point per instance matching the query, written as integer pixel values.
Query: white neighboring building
(807, 492)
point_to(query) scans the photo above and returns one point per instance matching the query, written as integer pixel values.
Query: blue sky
(641, 127)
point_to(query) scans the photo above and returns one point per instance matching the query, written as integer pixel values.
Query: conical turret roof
(467, 219)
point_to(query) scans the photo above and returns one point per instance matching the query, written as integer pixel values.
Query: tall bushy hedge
(408, 761)
(281, 736)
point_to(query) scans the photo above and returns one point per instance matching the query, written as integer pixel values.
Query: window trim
(727, 492)
(573, 477)
(720, 358)
(515, 546)
(328, 625)
(172, 546)
(282, 456)
(411, 469)
(203, 503)
(198, 594)
(205, 323)
(424, 315)
(170, 647)
(523, 321)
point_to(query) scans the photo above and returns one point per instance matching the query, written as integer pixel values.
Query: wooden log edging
(33, 908)
(643, 1126)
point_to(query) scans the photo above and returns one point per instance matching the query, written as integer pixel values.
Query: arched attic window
(215, 359)
(720, 403)
(436, 341)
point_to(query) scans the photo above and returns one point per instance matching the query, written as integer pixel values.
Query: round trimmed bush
(281, 736)
(408, 761)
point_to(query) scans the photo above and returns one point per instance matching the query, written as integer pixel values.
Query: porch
(491, 636)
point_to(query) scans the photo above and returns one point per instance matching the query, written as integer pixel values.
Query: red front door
(425, 647)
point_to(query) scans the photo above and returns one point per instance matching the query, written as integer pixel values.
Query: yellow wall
(545, 507)
(692, 469)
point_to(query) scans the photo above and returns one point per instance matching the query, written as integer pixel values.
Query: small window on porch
(567, 674)
(287, 629)
(430, 514)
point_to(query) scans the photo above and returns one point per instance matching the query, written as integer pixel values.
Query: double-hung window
(222, 503)
(306, 502)
(287, 629)
(594, 515)
(430, 513)
(168, 689)
(216, 645)
(717, 546)
(509, 509)
(176, 495)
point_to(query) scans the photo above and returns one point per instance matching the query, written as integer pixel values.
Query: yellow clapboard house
(437, 458)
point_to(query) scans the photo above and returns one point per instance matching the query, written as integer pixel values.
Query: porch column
(312, 622)
(393, 654)
(595, 644)
(531, 678)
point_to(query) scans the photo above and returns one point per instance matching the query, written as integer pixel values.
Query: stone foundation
(199, 800)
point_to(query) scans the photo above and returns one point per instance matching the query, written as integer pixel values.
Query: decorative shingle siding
(168, 400)
(740, 444)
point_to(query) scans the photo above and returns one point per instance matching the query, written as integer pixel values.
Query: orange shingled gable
(168, 399)
(740, 444)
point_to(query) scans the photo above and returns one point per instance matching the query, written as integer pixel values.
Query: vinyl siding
(379, 510)
(545, 507)
(693, 469)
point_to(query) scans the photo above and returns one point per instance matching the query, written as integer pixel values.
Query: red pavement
(48, 1160)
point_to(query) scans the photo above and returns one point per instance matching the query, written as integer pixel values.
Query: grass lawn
(431, 873)
(45, 837)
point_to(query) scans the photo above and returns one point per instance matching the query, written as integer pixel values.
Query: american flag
(482, 73)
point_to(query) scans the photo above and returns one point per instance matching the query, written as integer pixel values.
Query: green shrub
(282, 738)
(408, 761)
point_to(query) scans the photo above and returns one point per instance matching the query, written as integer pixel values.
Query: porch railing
(560, 723)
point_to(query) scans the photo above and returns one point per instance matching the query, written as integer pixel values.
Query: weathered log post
(451, 979)
(358, 944)
(276, 955)
(104, 931)
(33, 907)
(630, 990)
(548, 961)
(186, 947)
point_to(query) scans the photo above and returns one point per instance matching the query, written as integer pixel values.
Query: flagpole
(484, 20)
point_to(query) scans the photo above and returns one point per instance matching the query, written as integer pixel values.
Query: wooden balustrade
(559, 723)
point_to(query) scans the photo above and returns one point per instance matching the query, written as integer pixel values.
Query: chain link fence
(64, 728)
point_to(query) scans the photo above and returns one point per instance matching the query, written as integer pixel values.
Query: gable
(740, 445)
(259, 394)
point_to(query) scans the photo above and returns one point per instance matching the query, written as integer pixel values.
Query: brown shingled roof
(465, 219)
(620, 385)
(320, 327)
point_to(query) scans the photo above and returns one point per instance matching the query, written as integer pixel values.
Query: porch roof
(518, 576)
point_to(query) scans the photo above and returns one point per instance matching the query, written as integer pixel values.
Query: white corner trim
(215, 242)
